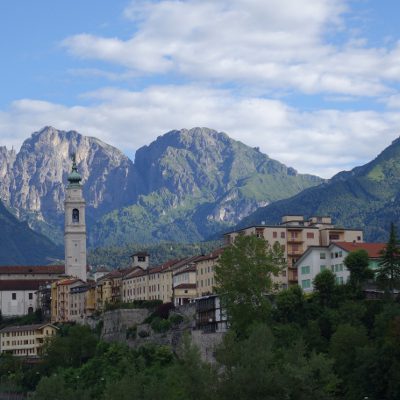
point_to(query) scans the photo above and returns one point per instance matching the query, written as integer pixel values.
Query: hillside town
(74, 293)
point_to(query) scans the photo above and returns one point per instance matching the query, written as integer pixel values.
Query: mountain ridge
(367, 196)
(197, 179)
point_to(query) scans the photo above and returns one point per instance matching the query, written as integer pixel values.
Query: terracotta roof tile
(21, 284)
(373, 249)
(186, 286)
(32, 269)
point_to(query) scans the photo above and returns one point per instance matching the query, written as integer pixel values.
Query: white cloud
(259, 43)
(320, 142)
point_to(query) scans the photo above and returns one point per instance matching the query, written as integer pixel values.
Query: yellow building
(205, 272)
(61, 299)
(26, 340)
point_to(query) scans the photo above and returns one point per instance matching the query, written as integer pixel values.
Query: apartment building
(205, 272)
(318, 258)
(26, 340)
(296, 235)
(61, 299)
(82, 302)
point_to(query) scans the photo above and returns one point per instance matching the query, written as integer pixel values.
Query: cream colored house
(205, 273)
(26, 340)
(296, 235)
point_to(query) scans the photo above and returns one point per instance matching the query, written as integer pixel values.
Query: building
(18, 297)
(296, 235)
(26, 340)
(82, 302)
(205, 272)
(36, 272)
(319, 258)
(19, 286)
(61, 299)
(210, 316)
(75, 227)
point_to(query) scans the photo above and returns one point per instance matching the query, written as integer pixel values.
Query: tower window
(75, 215)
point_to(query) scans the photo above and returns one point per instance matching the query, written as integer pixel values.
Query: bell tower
(75, 226)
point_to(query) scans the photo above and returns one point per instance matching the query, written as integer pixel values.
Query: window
(305, 270)
(322, 256)
(334, 236)
(14, 296)
(310, 235)
(141, 258)
(283, 235)
(274, 235)
(358, 237)
(75, 216)
(332, 255)
(30, 296)
(339, 280)
(322, 268)
(306, 283)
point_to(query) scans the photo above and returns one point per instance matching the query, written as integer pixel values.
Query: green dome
(74, 177)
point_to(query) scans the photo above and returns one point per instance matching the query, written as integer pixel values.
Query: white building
(18, 297)
(75, 227)
(318, 258)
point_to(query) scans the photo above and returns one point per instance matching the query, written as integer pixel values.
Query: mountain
(20, 245)
(192, 183)
(32, 182)
(184, 186)
(366, 197)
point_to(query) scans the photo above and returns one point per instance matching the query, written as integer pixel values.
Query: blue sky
(313, 83)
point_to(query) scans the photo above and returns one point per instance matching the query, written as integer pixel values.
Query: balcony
(295, 240)
(292, 252)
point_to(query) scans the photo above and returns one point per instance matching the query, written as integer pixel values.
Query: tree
(388, 273)
(357, 262)
(324, 284)
(244, 278)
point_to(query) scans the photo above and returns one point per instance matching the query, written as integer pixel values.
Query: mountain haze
(366, 197)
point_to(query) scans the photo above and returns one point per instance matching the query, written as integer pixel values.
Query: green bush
(160, 325)
(175, 319)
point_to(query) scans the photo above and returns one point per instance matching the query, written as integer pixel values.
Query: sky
(314, 84)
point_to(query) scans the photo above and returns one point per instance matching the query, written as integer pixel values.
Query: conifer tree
(388, 273)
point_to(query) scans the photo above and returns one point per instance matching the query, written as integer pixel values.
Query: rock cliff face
(33, 181)
(193, 183)
(184, 186)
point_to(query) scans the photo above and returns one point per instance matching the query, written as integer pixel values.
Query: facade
(296, 235)
(26, 340)
(61, 299)
(82, 302)
(18, 297)
(319, 258)
(75, 227)
(205, 272)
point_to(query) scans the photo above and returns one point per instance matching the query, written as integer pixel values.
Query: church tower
(75, 227)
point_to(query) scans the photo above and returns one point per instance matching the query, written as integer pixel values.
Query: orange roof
(373, 249)
(214, 254)
(68, 281)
